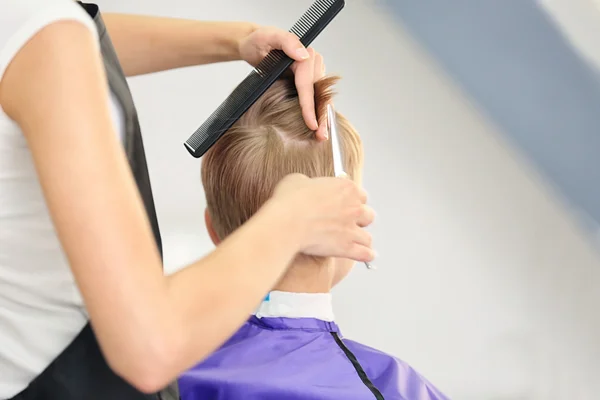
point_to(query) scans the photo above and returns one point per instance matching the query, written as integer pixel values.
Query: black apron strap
(134, 145)
(80, 372)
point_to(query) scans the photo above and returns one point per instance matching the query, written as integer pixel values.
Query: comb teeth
(314, 20)
(311, 16)
(203, 133)
(269, 62)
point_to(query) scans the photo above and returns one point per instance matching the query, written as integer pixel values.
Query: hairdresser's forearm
(147, 44)
(217, 294)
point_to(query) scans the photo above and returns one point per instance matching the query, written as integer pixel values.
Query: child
(291, 349)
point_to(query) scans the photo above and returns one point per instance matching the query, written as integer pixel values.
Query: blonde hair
(270, 141)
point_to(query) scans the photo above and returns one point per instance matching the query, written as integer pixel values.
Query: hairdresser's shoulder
(21, 20)
(20, 17)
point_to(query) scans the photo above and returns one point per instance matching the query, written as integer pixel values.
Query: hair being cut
(270, 141)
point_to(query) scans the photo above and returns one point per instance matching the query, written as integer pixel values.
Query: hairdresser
(79, 239)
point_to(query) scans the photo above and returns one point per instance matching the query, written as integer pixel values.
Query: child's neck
(306, 276)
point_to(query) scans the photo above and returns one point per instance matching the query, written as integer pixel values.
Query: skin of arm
(150, 327)
(146, 44)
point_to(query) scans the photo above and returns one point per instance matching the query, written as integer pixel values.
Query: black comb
(312, 23)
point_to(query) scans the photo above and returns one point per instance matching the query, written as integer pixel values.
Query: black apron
(80, 372)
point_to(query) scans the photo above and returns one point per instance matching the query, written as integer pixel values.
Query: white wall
(485, 283)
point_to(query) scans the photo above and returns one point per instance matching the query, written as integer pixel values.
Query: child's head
(270, 141)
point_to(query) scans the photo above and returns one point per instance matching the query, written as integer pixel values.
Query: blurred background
(481, 126)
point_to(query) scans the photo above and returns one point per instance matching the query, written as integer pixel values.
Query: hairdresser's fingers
(351, 190)
(304, 77)
(319, 67)
(366, 217)
(289, 43)
(319, 73)
(322, 132)
(318, 64)
(363, 238)
(360, 253)
(307, 102)
(362, 194)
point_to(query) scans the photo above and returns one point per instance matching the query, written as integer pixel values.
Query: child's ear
(209, 227)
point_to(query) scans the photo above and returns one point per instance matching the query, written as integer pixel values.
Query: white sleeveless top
(41, 310)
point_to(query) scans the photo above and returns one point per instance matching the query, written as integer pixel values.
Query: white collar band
(297, 305)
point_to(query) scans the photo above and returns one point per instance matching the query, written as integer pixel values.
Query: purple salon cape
(301, 359)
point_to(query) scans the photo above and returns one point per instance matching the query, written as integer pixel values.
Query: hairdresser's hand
(308, 67)
(333, 212)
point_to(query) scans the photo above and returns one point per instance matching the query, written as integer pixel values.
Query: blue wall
(512, 60)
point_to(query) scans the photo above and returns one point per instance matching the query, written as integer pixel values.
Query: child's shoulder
(375, 356)
(389, 371)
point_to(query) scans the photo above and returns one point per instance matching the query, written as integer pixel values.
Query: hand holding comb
(312, 23)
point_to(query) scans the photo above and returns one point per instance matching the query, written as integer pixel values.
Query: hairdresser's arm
(152, 327)
(146, 44)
